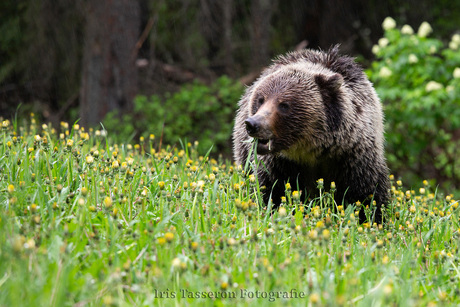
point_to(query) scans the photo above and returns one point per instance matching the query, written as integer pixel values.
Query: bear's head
(291, 106)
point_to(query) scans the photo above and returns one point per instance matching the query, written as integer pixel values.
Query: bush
(418, 80)
(196, 112)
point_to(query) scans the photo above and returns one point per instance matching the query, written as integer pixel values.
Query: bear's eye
(284, 107)
(257, 103)
(260, 101)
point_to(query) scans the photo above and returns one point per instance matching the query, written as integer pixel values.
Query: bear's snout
(258, 126)
(252, 126)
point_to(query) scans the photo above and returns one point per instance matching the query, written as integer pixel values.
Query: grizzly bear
(314, 115)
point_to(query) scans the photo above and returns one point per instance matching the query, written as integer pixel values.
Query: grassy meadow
(87, 222)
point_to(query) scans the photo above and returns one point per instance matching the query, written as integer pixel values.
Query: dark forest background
(69, 59)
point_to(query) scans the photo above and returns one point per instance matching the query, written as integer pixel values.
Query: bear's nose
(252, 126)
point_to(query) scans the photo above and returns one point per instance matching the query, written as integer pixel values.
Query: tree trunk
(227, 33)
(216, 28)
(261, 13)
(109, 75)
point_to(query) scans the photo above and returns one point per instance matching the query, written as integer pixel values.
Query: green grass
(85, 222)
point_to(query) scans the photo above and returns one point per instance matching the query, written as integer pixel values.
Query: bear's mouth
(264, 141)
(264, 146)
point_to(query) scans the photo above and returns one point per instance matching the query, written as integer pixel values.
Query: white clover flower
(89, 159)
(200, 184)
(453, 45)
(456, 73)
(433, 49)
(389, 23)
(456, 38)
(383, 42)
(413, 58)
(425, 29)
(176, 263)
(375, 49)
(433, 86)
(406, 29)
(385, 72)
(115, 164)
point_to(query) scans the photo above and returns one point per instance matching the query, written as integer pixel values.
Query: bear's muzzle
(256, 127)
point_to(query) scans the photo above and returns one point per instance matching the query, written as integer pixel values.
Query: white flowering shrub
(418, 81)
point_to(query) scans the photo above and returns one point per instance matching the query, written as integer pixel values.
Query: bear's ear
(329, 83)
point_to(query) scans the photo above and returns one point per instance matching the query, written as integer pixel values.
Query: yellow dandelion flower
(115, 164)
(296, 195)
(313, 234)
(194, 246)
(108, 202)
(385, 259)
(388, 289)
(231, 241)
(169, 237)
(10, 189)
(314, 298)
(320, 183)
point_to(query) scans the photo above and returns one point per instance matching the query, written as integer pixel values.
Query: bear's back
(346, 66)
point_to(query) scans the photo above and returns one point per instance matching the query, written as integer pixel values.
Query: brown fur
(315, 115)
